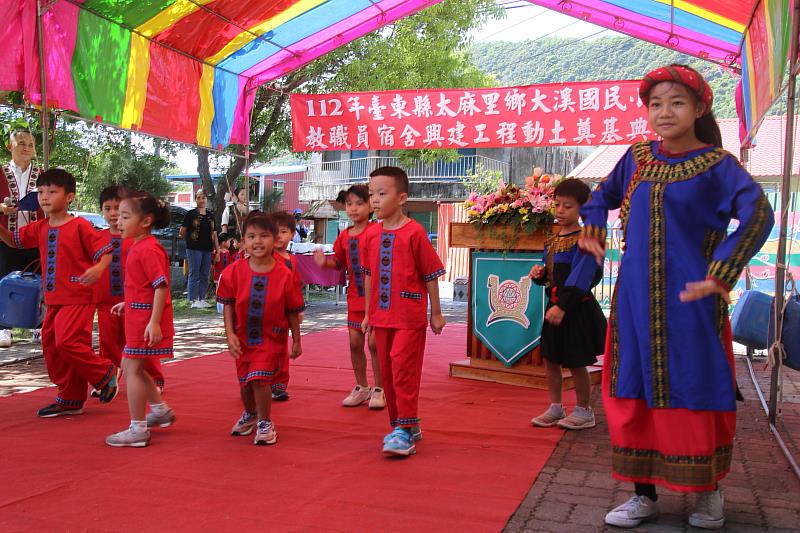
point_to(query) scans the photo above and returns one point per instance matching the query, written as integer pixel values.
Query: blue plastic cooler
(21, 300)
(750, 320)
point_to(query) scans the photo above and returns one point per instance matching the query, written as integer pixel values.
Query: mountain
(552, 59)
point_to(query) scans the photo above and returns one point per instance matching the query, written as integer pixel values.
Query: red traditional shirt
(400, 263)
(146, 269)
(290, 263)
(348, 253)
(110, 288)
(261, 301)
(225, 259)
(66, 252)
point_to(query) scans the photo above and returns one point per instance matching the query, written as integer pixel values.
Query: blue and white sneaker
(400, 443)
(416, 434)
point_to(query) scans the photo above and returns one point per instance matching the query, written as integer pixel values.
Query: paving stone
(553, 512)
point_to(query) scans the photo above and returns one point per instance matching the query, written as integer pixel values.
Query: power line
(545, 10)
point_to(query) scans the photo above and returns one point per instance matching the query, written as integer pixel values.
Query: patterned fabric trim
(712, 240)
(649, 168)
(50, 269)
(17, 240)
(297, 309)
(115, 269)
(681, 470)
(355, 264)
(411, 295)
(277, 330)
(555, 244)
(594, 232)
(433, 275)
(366, 271)
(226, 301)
(404, 422)
(659, 369)
(106, 378)
(69, 403)
(147, 351)
(159, 383)
(256, 375)
(101, 252)
(140, 305)
(255, 309)
(354, 325)
(279, 387)
(74, 279)
(385, 273)
(614, 344)
(728, 271)
(158, 281)
(16, 194)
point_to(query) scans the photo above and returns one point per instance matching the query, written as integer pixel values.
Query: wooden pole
(45, 116)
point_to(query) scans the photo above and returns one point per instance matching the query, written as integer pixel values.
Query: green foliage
(273, 198)
(555, 59)
(483, 180)
(123, 167)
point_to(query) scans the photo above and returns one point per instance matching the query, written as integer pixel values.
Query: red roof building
(764, 162)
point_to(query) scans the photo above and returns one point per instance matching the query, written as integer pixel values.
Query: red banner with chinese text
(556, 114)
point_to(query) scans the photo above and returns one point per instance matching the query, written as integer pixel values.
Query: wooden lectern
(481, 364)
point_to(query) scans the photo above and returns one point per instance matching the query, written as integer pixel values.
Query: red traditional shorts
(355, 319)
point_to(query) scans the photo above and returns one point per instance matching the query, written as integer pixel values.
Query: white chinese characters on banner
(584, 113)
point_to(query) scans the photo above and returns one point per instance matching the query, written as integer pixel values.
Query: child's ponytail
(148, 205)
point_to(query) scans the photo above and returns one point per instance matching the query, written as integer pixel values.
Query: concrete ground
(574, 490)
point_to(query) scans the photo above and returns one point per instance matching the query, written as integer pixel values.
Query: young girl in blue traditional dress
(669, 379)
(573, 333)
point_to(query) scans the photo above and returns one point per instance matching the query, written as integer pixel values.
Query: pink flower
(516, 204)
(473, 196)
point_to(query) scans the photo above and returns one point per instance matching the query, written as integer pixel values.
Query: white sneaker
(202, 304)
(633, 512)
(358, 396)
(377, 400)
(5, 338)
(708, 512)
(36, 336)
(195, 304)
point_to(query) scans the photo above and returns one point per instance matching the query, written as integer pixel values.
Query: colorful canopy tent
(182, 69)
(747, 36)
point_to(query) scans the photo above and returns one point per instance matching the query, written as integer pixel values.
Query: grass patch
(181, 309)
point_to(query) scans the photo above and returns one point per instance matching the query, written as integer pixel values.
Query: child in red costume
(110, 289)
(400, 274)
(223, 257)
(348, 255)
(286, 228)
(262, 301)
(148, 316)
(68, 246)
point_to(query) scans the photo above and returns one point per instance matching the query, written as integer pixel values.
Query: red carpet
(478, 458)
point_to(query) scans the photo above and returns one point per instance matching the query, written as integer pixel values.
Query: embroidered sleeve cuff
(594, 232)
(17, 240)
(159, 281)
(297, 309)
(432, 276)
(101, 252)
(225, 301)
(717, 269)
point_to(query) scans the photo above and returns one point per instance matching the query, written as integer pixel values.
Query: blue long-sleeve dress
(569, 276)
(669, 380)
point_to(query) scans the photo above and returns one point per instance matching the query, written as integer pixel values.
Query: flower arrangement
(529, 207)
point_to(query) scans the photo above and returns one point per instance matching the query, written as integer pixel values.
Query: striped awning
(181, 69)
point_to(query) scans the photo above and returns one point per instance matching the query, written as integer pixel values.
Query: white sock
(159, 408)
(139, 426)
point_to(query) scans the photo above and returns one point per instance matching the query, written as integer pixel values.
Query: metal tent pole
(780, 261)
(45, 116)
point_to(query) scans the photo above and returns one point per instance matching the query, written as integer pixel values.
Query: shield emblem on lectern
(507, 307)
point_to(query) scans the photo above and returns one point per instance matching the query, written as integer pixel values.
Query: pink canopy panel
(182, 69)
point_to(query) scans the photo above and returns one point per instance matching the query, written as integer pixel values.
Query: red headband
(678, 74)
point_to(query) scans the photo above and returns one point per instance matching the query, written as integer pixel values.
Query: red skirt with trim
(680, 449)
